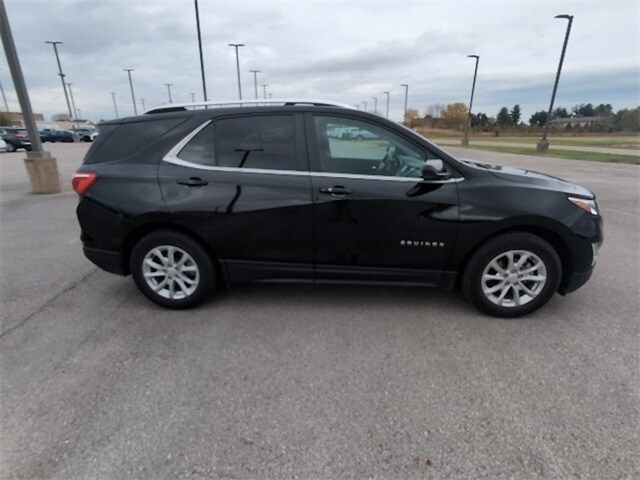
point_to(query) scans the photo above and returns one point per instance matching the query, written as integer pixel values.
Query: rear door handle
(193, 182)
(336, 191)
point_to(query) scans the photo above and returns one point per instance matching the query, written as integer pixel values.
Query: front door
(375, 219)
(241, 183)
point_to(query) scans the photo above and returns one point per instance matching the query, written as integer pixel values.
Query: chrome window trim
(172, 157)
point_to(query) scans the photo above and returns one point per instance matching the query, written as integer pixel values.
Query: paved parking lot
(277, 381)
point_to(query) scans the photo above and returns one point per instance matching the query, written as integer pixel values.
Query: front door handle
(336, 191)
(193, 182)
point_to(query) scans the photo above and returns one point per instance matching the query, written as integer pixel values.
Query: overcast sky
(348, 52)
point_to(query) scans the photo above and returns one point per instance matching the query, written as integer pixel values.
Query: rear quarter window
(117, 141)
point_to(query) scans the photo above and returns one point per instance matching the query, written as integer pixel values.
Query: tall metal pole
(79, 113)
(73, 103)
(255, 82)
(264, 90)
(41, 167)
(365, 106)
(193, 96)
(387, 94)
(64, 87)
(465, 140)
(236, 46)
(4, 98)
(133, 97)
(143, 107)
(270, 96)
(375, 105)
(204, 82)
(543, 144)
(115, 107)
(168, 85)
(406, 98)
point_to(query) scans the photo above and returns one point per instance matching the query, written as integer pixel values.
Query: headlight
(588, 206)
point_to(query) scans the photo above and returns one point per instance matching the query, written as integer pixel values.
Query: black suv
(190, 200)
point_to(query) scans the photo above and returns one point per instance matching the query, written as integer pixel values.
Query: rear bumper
(105, 259)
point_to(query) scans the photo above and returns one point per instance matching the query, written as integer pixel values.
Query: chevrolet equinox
(193, 197)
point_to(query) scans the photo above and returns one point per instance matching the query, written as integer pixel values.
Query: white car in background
(93, 135)
(3, 145)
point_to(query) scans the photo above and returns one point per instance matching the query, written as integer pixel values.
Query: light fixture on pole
(204, 83)
(236, 46)
(115, 107)
(133, 97)
(406, 98)
(543, 144)
(64, 86)
(465, 140)
(168, 85)
(387, 94)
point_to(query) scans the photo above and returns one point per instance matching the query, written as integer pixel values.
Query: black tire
(207, 277)
(472, 277)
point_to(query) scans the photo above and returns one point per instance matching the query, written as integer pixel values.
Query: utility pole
(168, 85)
(42, 168)
(144, 109)
(115, 107)
(375, 105)
(387, 94)
(133, 97)
(365, 106)
(264, 90)
(236, 46)
(193, 96)
(4, 98)
(270, 96)
(79, 114)
(465, 140)
(543, 144)
(406, 98)
(204, 82)
(73, 103)
(64, 87)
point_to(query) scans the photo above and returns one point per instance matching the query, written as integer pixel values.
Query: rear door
(241, 182)
(376, 220)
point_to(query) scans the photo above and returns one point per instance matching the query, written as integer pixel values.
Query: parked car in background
(53, 135)
(84, 133)
(15, 138)
(3, 145)
(188, 200)
(93, 135)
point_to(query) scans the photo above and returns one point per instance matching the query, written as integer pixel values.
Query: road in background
(578, 148)
(311, 380)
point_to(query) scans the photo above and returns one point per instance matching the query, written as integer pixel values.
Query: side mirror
(434, 170)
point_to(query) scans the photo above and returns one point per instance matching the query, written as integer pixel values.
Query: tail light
(82, 181)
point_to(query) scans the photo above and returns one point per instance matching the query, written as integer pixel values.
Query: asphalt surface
(303, 381)
(580, 148)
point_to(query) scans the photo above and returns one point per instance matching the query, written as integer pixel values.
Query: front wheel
(172, 270)
(512, 275)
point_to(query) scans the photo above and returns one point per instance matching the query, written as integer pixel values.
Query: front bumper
(105, 259)
(575, 281)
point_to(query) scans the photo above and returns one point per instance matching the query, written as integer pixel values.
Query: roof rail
(176, 107)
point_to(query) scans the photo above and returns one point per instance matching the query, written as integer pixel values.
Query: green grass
(571, 154)
(626, 141)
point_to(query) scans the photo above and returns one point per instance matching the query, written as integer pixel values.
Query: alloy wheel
(170, 272)
(514, 278)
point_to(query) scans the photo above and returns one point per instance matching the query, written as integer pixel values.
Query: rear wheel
(512, 275)
(172, 269)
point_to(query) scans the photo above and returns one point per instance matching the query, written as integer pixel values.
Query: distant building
(68, 124)
(577, 121)
(15, 119)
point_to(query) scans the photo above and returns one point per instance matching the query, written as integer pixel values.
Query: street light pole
(42, 168)
(270, 96)
(193, 96)
(543, 144)
(143, 107)
(465, 140)
(375, 105)
(255, 82)
(204, 83)
(64, 87)
(236, 46)
(168, 85)
(264, 90)
(387, 94)
(365, 106)
(73, 103)
(4, 98)
(133, 97)
(406, 98)
(115, 107)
